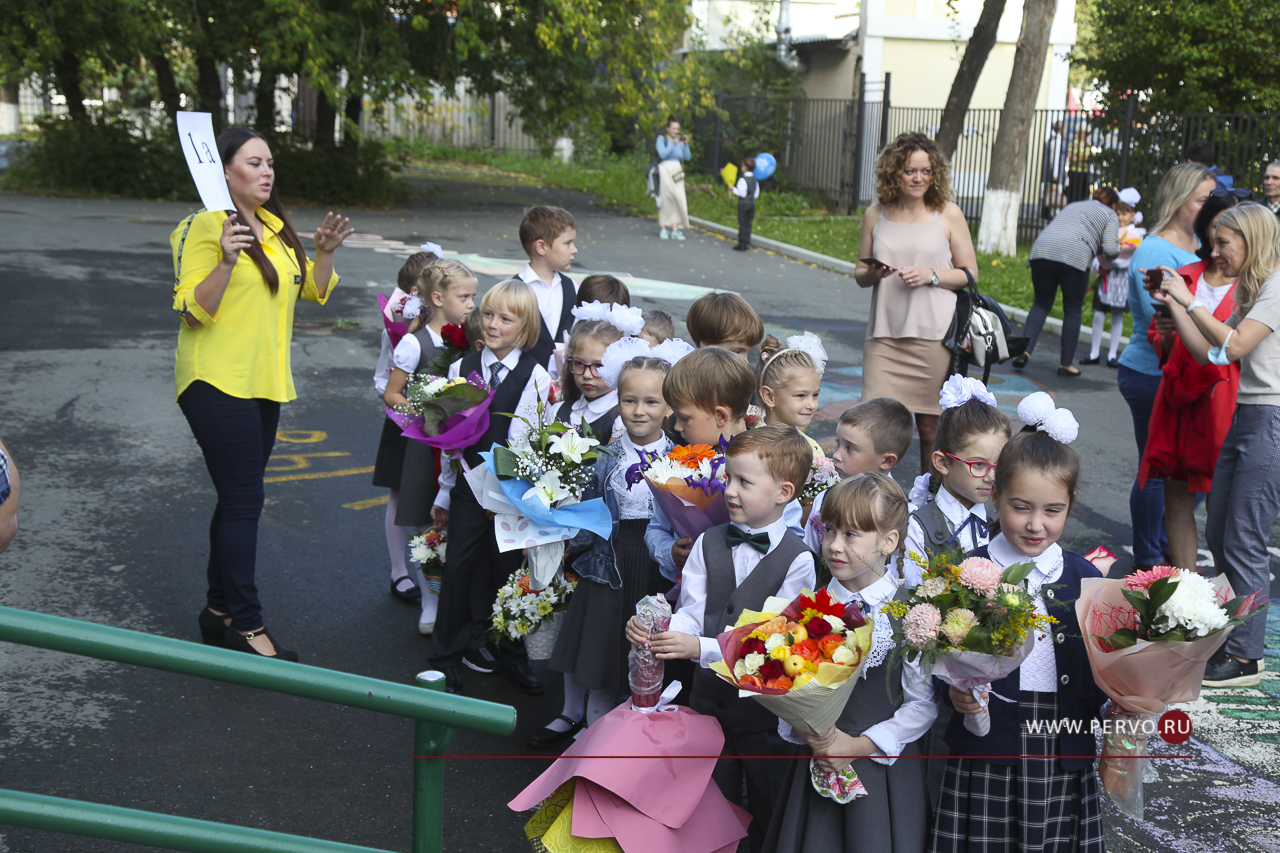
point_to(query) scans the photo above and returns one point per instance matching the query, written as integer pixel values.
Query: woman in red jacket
(1195, 403)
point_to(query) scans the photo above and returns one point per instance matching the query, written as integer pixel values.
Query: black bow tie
(759, 541)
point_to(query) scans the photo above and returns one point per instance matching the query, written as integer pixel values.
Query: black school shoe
(1224, 670)
(412, 595)
(1091, 361)
(479, 660)
(549, 738)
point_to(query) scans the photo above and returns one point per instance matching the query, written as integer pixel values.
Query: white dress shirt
(1039, 672)
(740, 189)
(408, 352)
(917, 712)
(382, 371)
(550, 297)
(693, 588)
(536, 389)
(955, 514)
(590, 410)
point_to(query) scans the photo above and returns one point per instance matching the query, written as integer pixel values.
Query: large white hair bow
(433, 248)
(1038, 410)
(620, 352)
(961, 389)
(630, 321)
(807, 343)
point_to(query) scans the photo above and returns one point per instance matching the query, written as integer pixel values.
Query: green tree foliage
(1202, 56)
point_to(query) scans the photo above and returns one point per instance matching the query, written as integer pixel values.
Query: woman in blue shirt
(1172, 243)
(673, 207)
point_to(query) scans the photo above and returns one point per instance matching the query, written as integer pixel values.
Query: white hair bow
(433, 248)
(961, 389)
(630, 321)
(1039, 411)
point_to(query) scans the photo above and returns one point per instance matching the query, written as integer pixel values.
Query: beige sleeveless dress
(904, 357)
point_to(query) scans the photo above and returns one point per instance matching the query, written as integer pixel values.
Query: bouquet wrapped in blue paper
(534, 487)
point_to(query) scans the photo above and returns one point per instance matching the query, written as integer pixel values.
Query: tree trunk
(165, 83)
(971, 65)
(264, 102)
(998, 231)
(66, 74)
(10, 112)
(352, 111)
(322, 133)
(209, 89)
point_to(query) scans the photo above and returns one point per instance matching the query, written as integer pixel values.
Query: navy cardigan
(1079, 698)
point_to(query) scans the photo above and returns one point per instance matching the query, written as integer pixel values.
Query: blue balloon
(765, 167)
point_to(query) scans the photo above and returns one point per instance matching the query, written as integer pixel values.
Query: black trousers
(236, 437)
(1046, 278)
(746, 213)
(474, 571)
(764, 776)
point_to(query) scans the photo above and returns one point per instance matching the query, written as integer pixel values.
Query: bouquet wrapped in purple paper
(449, 414)
(688, 484)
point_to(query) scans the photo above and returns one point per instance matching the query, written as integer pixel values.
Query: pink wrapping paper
(395, 330)
(663, 786)
(714, 825)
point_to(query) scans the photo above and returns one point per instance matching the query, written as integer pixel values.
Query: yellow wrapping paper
(549, 830)
(730, 174)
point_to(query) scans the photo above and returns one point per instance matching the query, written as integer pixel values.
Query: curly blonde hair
(893, 161)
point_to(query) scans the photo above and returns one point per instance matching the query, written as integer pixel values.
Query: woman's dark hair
(1213, 205)
(229, 142)
(1036, 451)
(1107, 195)
(960, 424)
(671, 119)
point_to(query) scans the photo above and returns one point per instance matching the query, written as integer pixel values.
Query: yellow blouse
(243, 349)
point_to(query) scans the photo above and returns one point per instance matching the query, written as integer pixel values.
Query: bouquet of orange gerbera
(688, 484)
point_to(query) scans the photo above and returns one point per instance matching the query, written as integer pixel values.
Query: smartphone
(872, 262)
(1163, 310)
(1155, 277)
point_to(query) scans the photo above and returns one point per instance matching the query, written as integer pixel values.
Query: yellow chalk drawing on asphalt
(319, 475)
(301, 436)
(366, 504)
(299, 460)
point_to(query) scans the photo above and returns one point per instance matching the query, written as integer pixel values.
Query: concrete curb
(1016, 315)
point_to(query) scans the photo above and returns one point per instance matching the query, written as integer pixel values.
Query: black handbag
(980, 334)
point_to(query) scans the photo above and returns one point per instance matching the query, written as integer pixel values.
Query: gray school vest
(724, 604)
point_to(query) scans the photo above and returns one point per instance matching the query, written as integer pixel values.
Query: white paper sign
(195, 132)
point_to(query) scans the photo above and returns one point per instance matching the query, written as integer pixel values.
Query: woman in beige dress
(673, 205)
(920, 242)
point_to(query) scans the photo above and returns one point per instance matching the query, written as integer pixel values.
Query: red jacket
(1193, 408)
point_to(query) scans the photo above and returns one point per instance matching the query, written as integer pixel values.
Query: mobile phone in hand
(872, 262)
(1163, 310)
(1155, 277)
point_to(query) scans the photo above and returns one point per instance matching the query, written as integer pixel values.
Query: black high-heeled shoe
(240, 643)
(213, 628)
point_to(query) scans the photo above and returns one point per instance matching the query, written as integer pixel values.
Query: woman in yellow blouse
(237, 279)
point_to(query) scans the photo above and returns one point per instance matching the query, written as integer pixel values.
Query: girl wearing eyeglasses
(971, 434)
(585, 397)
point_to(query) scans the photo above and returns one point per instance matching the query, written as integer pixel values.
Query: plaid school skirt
(1032, 805)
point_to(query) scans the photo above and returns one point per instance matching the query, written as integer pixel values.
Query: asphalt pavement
(116, 502)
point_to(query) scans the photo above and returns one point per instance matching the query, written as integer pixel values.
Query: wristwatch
(935, 277)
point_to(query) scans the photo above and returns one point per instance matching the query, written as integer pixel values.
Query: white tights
(1117, 325)
(398, 547)
(597, 704)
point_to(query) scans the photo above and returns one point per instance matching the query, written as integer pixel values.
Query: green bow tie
(759, 541)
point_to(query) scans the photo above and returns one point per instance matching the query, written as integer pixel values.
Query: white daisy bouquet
(427, 550)
(1149, 637)
(520, 609)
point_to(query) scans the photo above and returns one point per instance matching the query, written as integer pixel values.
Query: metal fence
(829, 146)
(456, 118)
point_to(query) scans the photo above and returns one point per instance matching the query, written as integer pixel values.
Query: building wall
(920, 45)
(831, 73)
(808, 17)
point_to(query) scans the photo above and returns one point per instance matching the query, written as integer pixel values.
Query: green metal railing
(435, 714)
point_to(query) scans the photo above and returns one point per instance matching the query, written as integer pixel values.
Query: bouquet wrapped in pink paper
(1148, 638)
(448, 414)
(649, 791)
(688, 484)
(972, 623)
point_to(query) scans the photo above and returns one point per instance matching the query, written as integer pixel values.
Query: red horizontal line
(784, 757)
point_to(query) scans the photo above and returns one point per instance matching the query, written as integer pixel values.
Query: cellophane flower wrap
(645, 670)
(540, 479)
(800, 659)
(428, 550)
(970, 623)
(520, 609)
(822, 476)
(448, 414)
(688, 484)
(1149, 637)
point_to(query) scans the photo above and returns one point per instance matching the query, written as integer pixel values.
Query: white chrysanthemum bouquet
(521, 610)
